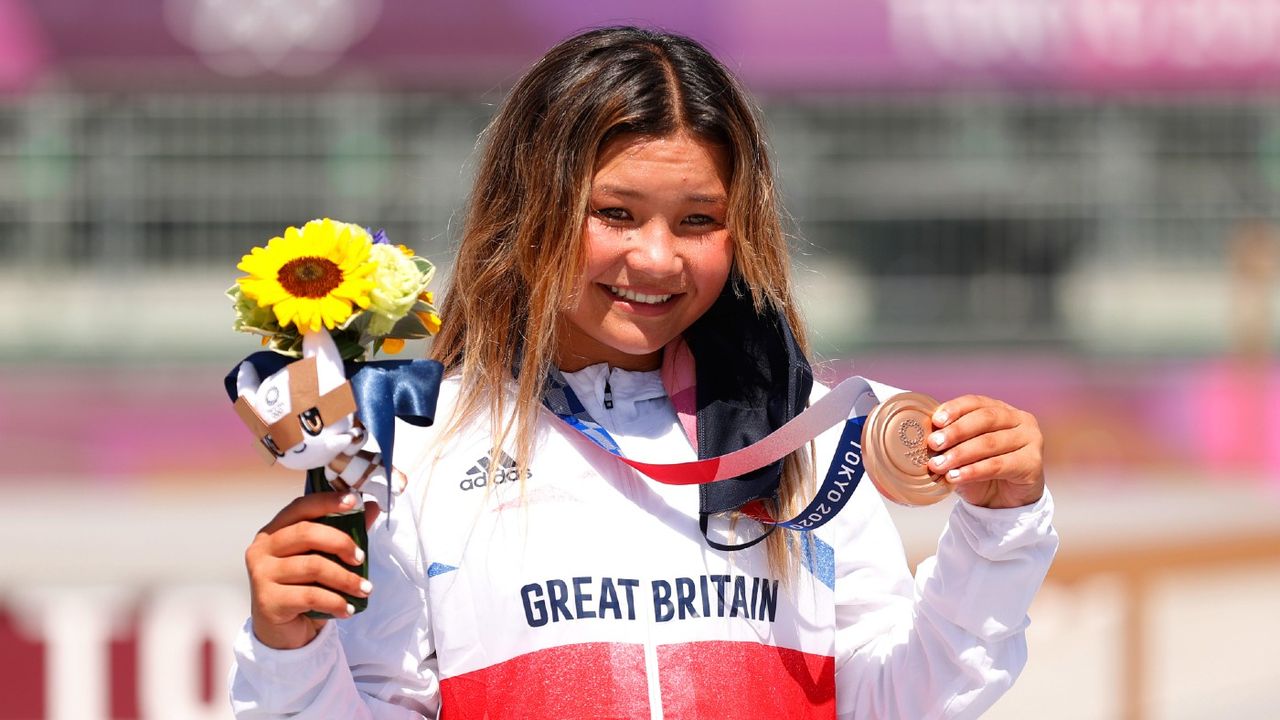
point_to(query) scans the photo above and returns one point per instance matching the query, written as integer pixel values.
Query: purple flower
(379, 237)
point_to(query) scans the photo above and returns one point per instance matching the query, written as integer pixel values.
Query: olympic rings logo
(252, 37)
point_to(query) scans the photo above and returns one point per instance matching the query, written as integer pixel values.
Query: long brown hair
(521, 247)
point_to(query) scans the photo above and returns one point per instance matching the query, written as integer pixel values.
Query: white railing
(994, 209)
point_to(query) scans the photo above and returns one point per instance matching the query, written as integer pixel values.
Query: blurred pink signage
(869, 45)
(22, 51)
(1094, 43)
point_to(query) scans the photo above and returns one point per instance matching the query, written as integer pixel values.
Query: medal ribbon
(843, 473)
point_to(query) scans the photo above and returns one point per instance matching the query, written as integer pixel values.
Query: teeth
(637, 297)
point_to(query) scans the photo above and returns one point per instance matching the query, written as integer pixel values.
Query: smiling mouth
(635, 297)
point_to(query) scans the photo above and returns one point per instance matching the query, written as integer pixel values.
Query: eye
(700, 220)
(613, 214)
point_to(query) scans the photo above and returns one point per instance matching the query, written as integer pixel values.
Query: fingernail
(940, 417)
(953, 475)
(348, 500)
(366, 587)
(938, 439)
(939, 460)
(351, 609)
(359, 556)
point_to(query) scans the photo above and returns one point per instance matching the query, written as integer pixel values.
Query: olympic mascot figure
(305, 415)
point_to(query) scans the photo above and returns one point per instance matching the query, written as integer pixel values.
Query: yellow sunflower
(313, 276)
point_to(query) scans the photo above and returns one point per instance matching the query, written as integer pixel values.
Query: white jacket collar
(626, 388)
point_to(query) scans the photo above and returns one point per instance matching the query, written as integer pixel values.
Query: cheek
(713, 267)
(597, 256)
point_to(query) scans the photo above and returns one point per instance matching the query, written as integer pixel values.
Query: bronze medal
(896, 452)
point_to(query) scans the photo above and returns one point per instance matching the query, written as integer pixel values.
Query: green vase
(351, 523)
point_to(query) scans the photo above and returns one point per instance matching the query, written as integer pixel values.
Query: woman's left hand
(989, 451)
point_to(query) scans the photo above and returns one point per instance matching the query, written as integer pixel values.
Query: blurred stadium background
(1073, 205)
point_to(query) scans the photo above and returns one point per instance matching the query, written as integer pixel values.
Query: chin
(642, 348)
(635, 356)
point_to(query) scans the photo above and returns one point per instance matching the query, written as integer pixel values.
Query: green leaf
(426, 267)
(409, 327)
(349, 343)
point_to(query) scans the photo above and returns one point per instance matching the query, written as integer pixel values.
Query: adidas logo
(479, 474)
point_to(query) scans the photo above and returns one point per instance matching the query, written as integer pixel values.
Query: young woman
(623, 249)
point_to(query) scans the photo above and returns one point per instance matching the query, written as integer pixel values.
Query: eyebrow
(630, 193)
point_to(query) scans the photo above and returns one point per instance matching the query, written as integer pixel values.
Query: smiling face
(658, 251)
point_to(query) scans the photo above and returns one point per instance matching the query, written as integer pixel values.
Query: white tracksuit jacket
(592, 594)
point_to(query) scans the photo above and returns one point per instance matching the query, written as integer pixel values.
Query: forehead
(679, 157)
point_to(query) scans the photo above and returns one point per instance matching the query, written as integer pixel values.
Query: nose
(655, 249)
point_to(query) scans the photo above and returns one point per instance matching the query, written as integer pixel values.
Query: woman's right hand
(282, 570)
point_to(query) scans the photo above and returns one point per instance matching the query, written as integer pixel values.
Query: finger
(1010, 467)
(283, 603)
(948, 411)
(986, 445)
(305, 537)
(371, 512)
(308, 569)
(974, 423)
(310, 507)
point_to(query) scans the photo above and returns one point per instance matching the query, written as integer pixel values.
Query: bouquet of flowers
(324, 297)
(369, 294)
